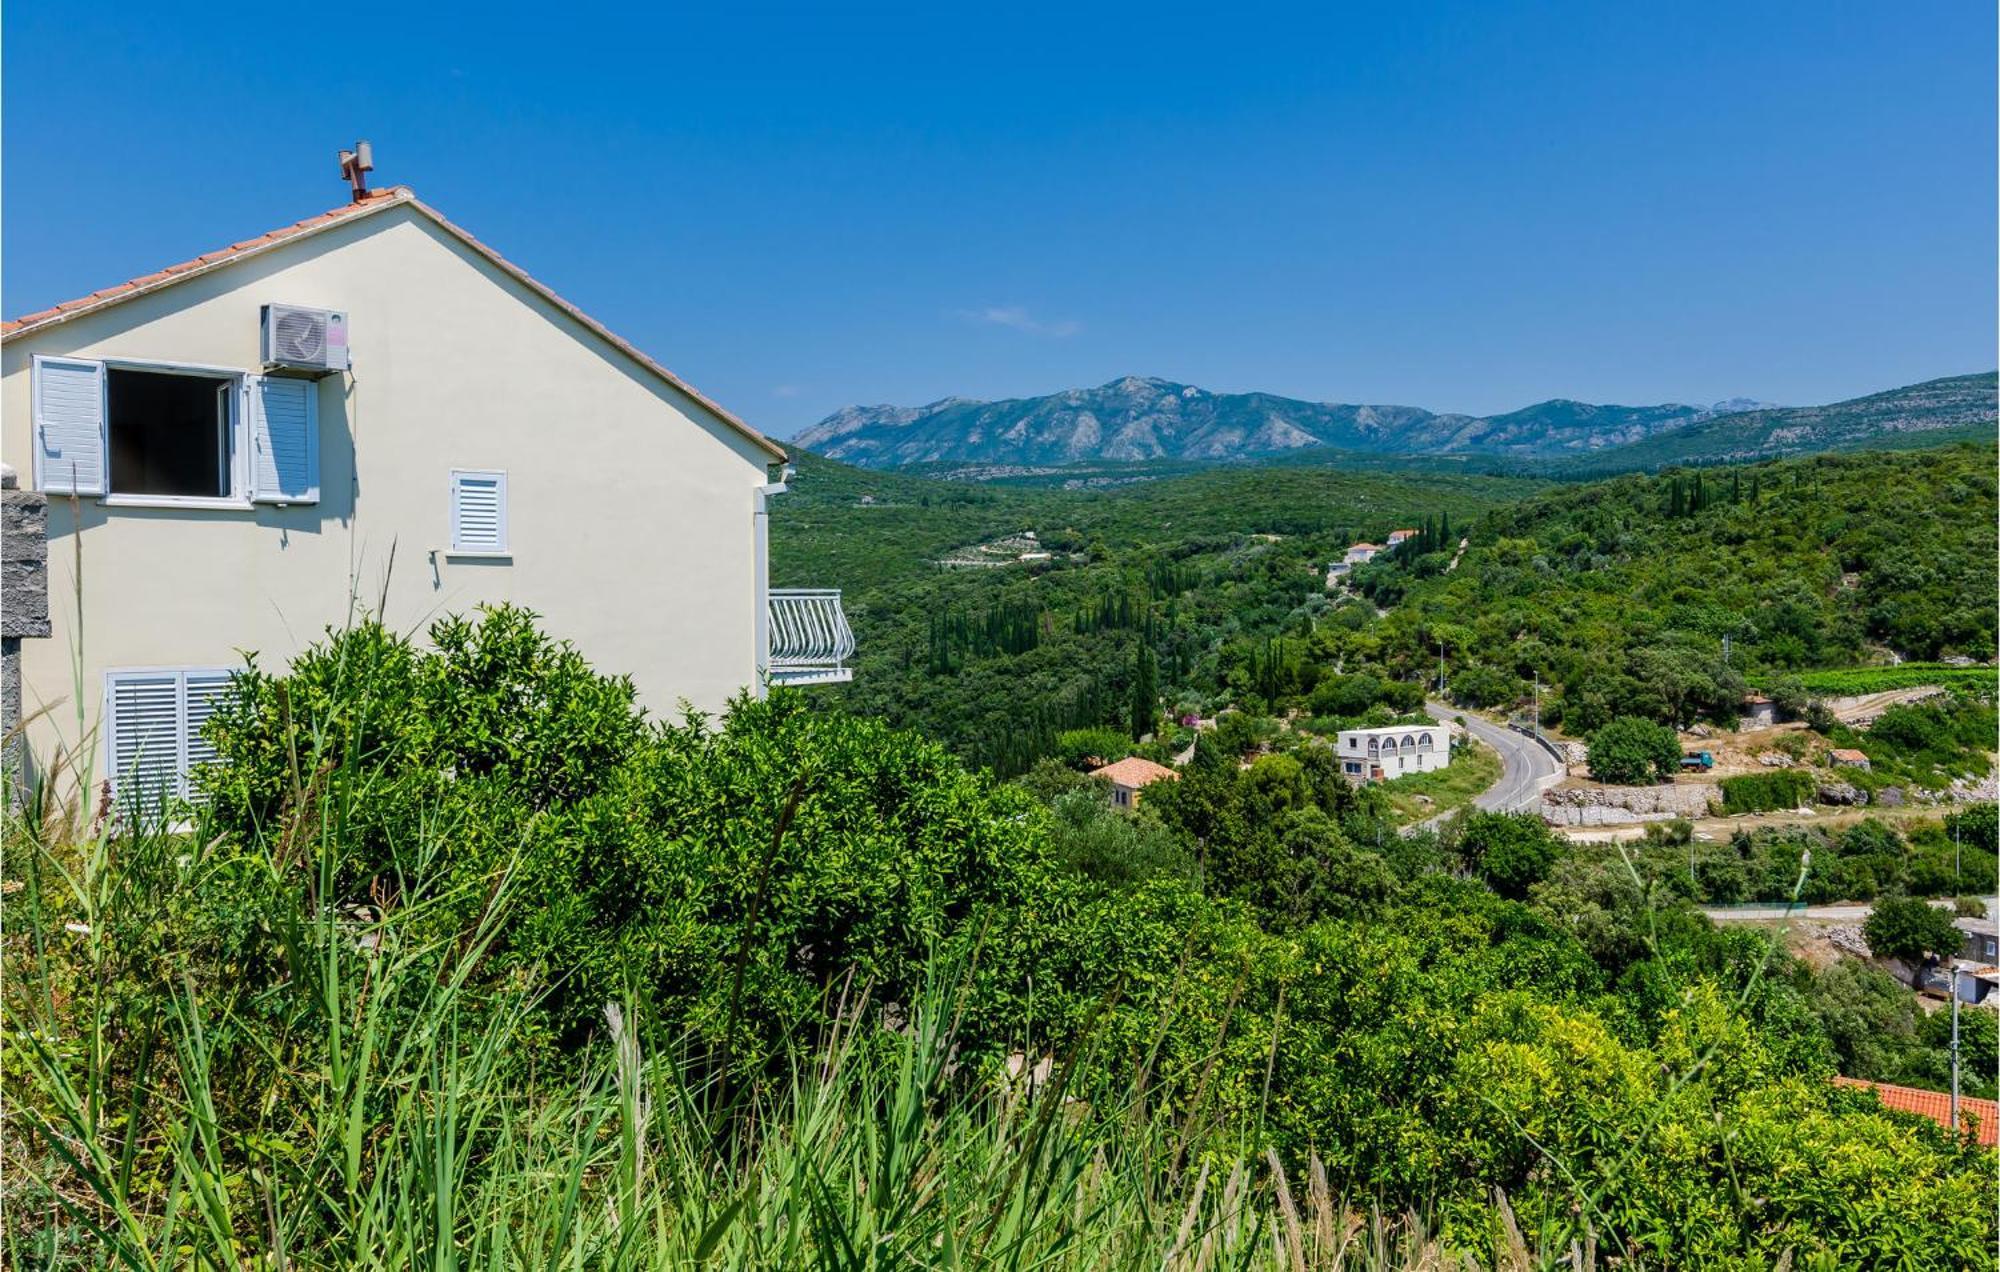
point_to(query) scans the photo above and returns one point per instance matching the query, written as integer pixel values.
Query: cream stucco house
(371, 407)
(1393, 751)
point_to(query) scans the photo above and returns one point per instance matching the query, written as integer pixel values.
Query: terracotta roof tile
(1135, 771)
(1982, 1117)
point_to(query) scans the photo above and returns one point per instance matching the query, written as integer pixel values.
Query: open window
(158, 433)
(170, 434)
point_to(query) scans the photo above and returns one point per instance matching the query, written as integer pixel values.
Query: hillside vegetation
(1214, 578)
(1936, 412)
(461, 961)
(1618, 594)
(1621, 594)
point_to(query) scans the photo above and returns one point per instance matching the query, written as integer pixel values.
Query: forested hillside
(1936, 412)
(1621, 594)
(459, 952)
(1213, 580)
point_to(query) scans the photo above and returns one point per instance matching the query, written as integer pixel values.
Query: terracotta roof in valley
(371, 202)
(1982, 1117)
(1849, 754)
(1134, 771)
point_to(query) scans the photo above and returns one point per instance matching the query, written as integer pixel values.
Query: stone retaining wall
(24, 601)
(1628, 805)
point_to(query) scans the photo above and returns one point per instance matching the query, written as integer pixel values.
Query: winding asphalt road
(1527, 770)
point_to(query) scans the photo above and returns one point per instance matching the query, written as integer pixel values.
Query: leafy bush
(1909, 929)
(1511, 851)
(1767, 792)
(360, 1015)
(729, 873)
(1086, 749)
(1630, 751)
(1977, 826)
(1845, 682)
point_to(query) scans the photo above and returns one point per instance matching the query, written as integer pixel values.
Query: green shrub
(1511, 851)
(1629, 751)
(650, 849)
(1086, 749)
(1767, 792)
(1909, 929)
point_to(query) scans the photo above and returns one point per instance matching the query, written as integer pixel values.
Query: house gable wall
(630, 503)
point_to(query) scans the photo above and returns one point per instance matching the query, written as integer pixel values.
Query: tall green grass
(376, 1111)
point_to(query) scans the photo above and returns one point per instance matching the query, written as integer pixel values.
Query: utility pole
(1954, 1045)
(1440, 666)
(1538, 702)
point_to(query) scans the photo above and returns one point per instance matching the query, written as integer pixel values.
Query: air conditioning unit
(304, 341)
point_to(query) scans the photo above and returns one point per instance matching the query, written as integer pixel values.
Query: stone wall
(24, 600)
(1628, 805)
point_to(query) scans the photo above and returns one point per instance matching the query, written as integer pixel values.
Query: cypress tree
(1145, 692)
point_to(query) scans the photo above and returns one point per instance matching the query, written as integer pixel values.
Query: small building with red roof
(1980, 1118)
(1131, 775)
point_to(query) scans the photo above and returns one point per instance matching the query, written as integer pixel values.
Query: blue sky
(1463, 207)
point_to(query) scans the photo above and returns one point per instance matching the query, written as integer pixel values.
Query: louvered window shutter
(153, 725)
(144, 746)
(284, 439)
(203, 694)
(478, 512)
(69, 426)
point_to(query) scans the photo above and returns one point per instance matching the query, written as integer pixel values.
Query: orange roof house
(1131, 775)
(1849, 756)
(1980, 1117)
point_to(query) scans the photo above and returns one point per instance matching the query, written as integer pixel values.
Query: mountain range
(1141, 418)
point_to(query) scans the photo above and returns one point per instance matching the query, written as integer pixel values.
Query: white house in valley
(371, 403)
(1378, 755)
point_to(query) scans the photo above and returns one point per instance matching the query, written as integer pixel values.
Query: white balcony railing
(810, 639)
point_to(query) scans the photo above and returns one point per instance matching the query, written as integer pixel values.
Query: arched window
(1424, 740)
(1388, 744)
(1409, 739)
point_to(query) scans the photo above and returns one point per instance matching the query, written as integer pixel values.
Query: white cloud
(785, 390)
(1018, 318)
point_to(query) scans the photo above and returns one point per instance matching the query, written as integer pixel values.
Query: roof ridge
(369, 202)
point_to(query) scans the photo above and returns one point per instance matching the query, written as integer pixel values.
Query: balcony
(810, 639)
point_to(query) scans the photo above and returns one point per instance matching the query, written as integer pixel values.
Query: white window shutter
(143, 748)
(204, 692)
(284, 439)
(69, 413)
(478, 512)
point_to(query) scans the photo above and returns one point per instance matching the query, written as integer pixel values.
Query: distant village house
(1131, 775)
(1377, 755)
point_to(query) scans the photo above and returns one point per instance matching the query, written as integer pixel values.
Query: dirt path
(1864, 708)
